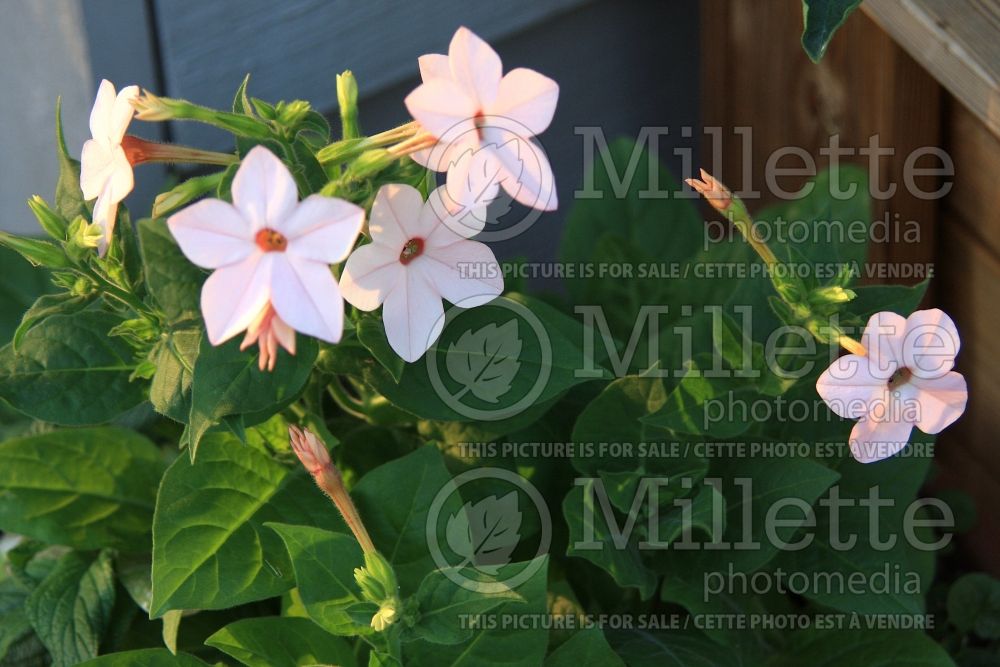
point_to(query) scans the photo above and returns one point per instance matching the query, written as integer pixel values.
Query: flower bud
(347, 100)
(717, 194)
(53, 223)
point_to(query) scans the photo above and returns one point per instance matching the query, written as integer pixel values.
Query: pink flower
(905, 381)
(105, 170)
(271, 255)
(484, 121)
(414, 260)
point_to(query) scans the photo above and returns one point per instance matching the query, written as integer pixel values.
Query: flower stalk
(314, 456)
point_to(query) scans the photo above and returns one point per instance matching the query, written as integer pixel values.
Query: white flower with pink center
(905, 380)
(484, 121)
(271, 256)
(414, 260)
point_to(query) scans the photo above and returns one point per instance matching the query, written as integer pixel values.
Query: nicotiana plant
(511, 479)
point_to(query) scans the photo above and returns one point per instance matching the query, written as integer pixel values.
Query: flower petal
(105, 216)
(96, 164)
(475, 66)
(526, 174)
(528, 98)
(883, 338)
(942, 400)
(102, 111)
(464, 272)
(122, 113)
(264, 190)
(848, 386)
(434, 66)
(873, 440)
(323, 229)
(442, 108)
(369, 275)
(395, 216)
(212, 233)
(413, 316)
(473, 183)
(306, 297)
(931, 343)
(234, 295)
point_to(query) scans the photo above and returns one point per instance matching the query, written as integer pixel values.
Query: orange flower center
(411, 250)
(270, 240)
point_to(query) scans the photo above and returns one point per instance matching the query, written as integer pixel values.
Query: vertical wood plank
(758, 78)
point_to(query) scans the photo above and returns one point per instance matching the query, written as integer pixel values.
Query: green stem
(346, 403)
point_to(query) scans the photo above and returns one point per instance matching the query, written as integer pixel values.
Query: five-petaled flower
(105, 171)
(905, 380)
(483, 121)
(415, 258)
(271, 255)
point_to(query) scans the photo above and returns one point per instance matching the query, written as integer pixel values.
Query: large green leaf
(71, 608)
(149, 657)
(850, 546)
(680, 648)
(22, 285)
(210, 547)
(281, 642)
(227, 381)
(394, 501)
(822, 18)
(85, 488)
(872, 648)
(445, 606)
(499, 642)
(69, 370)
(324, 564)
(586, 648)
(175, 356)
(974, 605)
(491, 363)
(172, 280)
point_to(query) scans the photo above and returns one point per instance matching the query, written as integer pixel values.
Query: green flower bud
(347, 99)
(53, 223)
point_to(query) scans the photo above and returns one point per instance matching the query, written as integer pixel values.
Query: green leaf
(751, 486)
(618, 556)
(324, 564)
(227, 382)
(69, 196)
(175, 356)
(874, 648)
(446, 607)
(371, 334)
(394, 501)
(71, 608)
(586, 648)
(69, 371)
(281, 642)
(680, 648)
(686, 409)
(549, 355)
(21, 286)
(149, 657)
(822, 18)
(85, 488)
(172, 280)
(210, 547)
(497, 643)
(974, 605)
(45, 306)
(910, 569)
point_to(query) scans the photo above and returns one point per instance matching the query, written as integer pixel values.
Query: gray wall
(621, 65)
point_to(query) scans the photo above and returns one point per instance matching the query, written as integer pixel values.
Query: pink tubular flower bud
(316, 459)
(717, 194)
